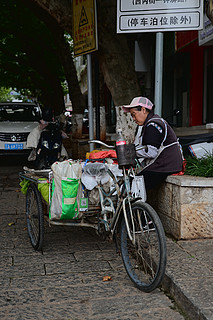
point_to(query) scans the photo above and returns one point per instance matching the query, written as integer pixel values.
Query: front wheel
(35, 216)
(144, 256)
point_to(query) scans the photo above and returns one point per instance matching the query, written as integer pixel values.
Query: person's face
(139, 117)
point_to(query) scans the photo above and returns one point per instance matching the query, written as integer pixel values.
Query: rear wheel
(35, 216)
(144, 256)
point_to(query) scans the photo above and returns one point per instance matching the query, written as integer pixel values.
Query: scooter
(49, 146)
(197, 145)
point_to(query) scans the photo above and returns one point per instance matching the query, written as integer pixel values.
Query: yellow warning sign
(84, 26)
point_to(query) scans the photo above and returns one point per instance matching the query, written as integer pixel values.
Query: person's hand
(64, 135)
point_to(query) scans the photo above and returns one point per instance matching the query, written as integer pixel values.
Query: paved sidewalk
(65, 281)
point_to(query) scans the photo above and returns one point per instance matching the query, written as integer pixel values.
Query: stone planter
(185, 206)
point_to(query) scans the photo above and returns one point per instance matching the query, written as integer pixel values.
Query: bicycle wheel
(145, 258)
(35, 216)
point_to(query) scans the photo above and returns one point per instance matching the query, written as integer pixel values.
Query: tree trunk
(76, 96)
(62, 47)
(116, 60)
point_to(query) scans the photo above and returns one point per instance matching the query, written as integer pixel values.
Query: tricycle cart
(120, 213)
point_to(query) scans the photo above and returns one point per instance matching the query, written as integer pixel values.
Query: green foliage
(28, 53)
(23, 95)
(202, 167)
(65, 87)
(5, 94)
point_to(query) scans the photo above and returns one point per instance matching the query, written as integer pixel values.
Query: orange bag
(103, 154)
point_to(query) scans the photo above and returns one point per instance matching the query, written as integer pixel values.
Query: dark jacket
(157, 132)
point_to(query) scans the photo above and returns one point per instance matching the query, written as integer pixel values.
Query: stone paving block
(52, 268)
(20, 297)
(24, 270)
(54, 311)
(106, 245)
(54, 228)
(24, 245)
(5, 243)
(199, 292)
(78, 294)
(78, 247)
(56, 237)
(206, 313)
(5, 261)
(4, 283)
(6, 219)
(53, 280)
(155, 314)
(202, 249)
(27, 260)
(185, 268)
(95, 255)
(56, 248)
(172, 287)
(174, 251)
(41, 259)
(117, 264)
(49, 247)
(20, 251)
(122, 304)
(117, 278)
(21, 222)
(76, 239)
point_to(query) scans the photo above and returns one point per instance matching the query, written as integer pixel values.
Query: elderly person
(157, 147)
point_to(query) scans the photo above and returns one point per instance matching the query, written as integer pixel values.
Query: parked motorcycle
(49, 146)
(193, 145)
(197, 145)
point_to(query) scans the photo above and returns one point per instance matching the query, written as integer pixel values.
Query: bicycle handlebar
(102, 143)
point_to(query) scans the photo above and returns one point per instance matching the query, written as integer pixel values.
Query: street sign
(205, 36)
(159, 15)
(84, 26)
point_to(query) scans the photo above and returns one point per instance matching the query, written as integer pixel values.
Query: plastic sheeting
(94, 173)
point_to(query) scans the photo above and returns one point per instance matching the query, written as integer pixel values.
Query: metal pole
(158, 73)
(90, 102)
(97, 102)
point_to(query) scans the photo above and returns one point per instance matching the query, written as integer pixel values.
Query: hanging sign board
(205, 36)
(84, 26)
(159, 15)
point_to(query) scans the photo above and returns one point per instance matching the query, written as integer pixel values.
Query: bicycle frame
(122, 202)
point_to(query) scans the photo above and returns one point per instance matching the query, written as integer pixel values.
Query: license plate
(13, 146)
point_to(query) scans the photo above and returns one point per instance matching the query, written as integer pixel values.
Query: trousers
(152, 179)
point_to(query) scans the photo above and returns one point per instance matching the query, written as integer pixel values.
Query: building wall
(187, 42)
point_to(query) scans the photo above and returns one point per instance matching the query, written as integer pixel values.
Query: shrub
(202, 167)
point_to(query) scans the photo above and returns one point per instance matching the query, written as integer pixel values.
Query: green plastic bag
(43, 188)
(64, 205)
(24, 185)
(66, 190)
(69, 198)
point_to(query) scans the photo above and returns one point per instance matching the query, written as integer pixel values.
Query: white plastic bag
(93, 173)
(138, 188)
